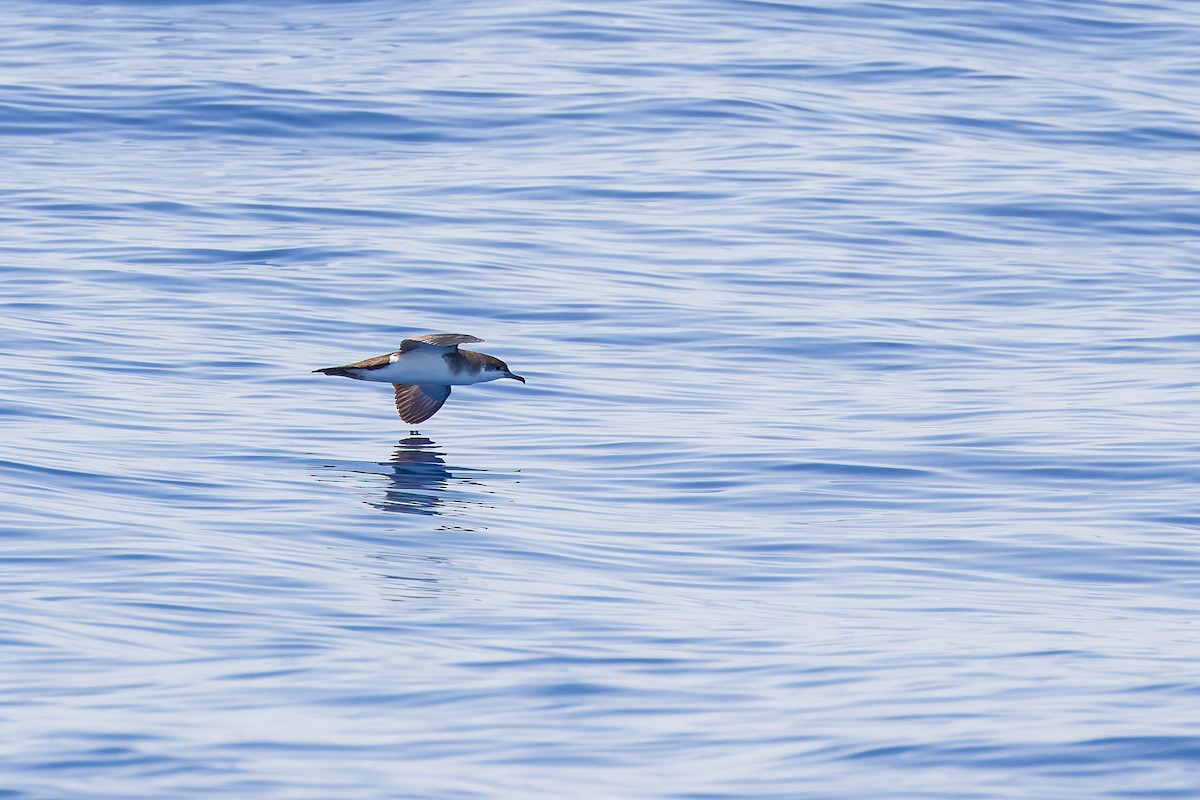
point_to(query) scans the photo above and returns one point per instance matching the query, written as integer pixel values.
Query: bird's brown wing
(372, 363)
(418, 402)
(368, 363)
(437, 340)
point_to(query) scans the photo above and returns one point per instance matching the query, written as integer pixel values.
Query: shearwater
(424, 369)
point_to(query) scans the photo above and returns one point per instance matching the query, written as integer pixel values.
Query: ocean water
(859, 454)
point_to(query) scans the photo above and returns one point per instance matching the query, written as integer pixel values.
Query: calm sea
(859, 457)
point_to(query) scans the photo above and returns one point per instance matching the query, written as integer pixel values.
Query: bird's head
(496, 369)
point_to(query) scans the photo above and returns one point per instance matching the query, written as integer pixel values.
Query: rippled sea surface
(859, 456)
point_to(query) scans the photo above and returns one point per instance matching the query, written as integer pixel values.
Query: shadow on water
(418, 480)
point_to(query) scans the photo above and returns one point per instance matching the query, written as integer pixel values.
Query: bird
(423, 369)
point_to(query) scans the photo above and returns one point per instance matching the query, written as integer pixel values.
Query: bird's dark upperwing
(440, 340)
(417, 403)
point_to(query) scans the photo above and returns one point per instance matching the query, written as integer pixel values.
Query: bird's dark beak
(514, 377)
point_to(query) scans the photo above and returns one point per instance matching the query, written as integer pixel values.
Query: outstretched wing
(442, 340)
(417, 403)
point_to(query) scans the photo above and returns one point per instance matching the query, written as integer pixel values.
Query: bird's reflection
(418, 478)
(418, 481)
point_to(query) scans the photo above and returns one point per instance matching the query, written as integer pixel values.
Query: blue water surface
(859, 456)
